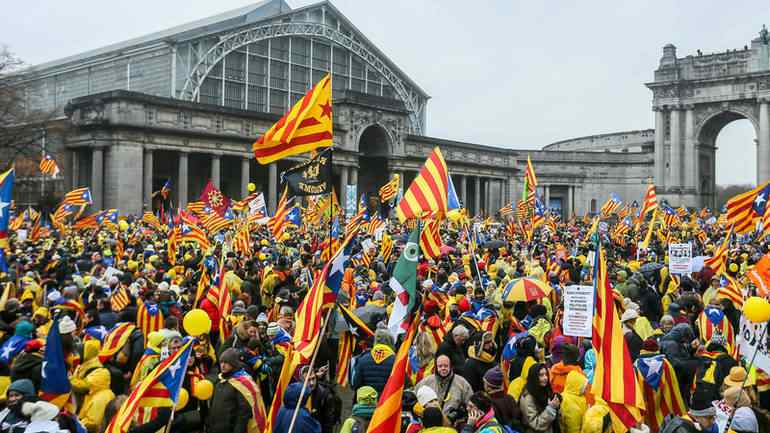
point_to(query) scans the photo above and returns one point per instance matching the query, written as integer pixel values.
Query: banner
(313, 177)
(351, 202)
(751, 339)
(578, 310)
(679, 257)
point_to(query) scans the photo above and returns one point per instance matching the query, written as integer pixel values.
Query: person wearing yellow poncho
(93, 380)
(42, 321)
(574, 404)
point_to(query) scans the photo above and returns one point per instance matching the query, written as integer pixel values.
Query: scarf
(381, 352)
(483, 356)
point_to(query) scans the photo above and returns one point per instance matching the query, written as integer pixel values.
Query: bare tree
(21, 127)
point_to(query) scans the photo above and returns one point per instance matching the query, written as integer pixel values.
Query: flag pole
(748, 370)
(310, 371)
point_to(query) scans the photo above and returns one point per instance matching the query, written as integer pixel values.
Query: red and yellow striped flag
(615, 380)
(149, 318)
(430, 239)
(78, 197)
(48, 165)
(429, 192)
(718, 261)
(650, 202)
(387, 416)
(389, 191)
(277, 223)
(386, 247)
(740, 210)
(307, 126)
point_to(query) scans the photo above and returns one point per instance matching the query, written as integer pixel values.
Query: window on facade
(373, 82)
(339, 84)
(357, 68)
(357, 85)
(257, 98)
(258, 48)
(234, 95)
(277, 101)
(279, 48)
(279, 74)
(341, 60)
(211, 91)
(235, 66)
(257, 71)
(300, 51)
(321, 56)
(318, 76)
(299, 79)
(387, 91)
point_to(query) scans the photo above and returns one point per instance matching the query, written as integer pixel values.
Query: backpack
(360, 425)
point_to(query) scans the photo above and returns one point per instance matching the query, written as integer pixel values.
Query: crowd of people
(478, 362)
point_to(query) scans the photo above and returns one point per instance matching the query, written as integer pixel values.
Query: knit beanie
(494, 378)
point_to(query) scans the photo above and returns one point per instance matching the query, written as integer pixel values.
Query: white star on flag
(173, 368)
(7, 351)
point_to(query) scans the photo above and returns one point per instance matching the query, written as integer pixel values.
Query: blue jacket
(369, 373)
(305, 422)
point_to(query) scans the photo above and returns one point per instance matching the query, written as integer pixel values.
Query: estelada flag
(431, 192)
(214, 199)
(307, 126)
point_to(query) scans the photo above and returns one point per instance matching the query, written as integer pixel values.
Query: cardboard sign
(578, 311)
(679, 257)
(753, 338)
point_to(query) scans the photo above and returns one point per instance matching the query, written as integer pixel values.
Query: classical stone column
(147, 176)
(183, 181)
(245, 176)
(570, 201)
(215, 169)
(675, 180)
(690, 153)
(97, 177)
(763, 148)
(503, 192)
(463, 190)
(476, 195)
(75, 175)
(513, 194)
(354, 177)
(546, 196)
(344, 182)
(272, 186)
(660, 148)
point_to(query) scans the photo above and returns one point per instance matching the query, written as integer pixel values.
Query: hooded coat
(676, 346)
(573, 405)
(305, 422)
(373, 368)
(476, 366)
(99, 396)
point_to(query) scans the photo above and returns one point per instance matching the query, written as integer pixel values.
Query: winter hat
(273, 329)
(482, 401)
(745, 420)
(629, 314)
(425, 395)
(66, 325)
(432, 417)
(650, 345)
(366, 395)
(231, 357)
(701, 404)
(736, 397)
(494, 378)
(24, 387)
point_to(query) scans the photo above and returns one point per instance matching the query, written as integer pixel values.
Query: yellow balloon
(123, 225)
(197, 322)
(757, 309)
(203, 389)
(252, 187)
(182, 399)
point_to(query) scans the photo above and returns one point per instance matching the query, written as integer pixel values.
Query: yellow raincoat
(573, 405)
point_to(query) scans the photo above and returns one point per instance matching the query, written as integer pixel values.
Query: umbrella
(525, 289)
(446, 249)
(650, 268)
(493, 244)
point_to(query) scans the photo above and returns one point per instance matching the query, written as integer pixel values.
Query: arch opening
(373, 148)
(727, 156)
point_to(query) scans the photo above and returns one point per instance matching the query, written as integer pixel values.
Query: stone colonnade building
(186, 103)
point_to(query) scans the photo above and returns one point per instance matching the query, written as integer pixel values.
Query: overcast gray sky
(517, 74)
